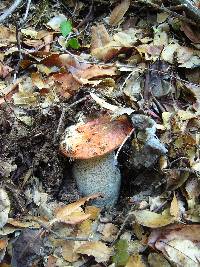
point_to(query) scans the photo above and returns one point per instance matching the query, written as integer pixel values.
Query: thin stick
(27, 10)
(10, 10)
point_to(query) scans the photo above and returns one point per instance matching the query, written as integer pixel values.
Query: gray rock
(98, 175)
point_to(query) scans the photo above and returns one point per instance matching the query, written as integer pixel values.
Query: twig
(185, 170)
(123, 225)
(87, 18)
(168, 11)
(27, 10)
(10, 10)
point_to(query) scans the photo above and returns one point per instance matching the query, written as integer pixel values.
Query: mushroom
(92, 146)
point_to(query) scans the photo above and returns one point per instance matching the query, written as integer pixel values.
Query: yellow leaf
(135, 261)
(97, 249)
(73, 212)
(152, 219)
(69, 252)
(174, 208)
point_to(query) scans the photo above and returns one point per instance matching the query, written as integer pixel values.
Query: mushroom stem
(98, 175)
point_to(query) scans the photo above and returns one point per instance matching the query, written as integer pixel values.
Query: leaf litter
(83, 62)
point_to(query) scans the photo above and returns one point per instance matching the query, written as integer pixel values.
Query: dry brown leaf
(3, 243)
(7, 36)
(102, 46)
(191, 33)
(69, 252)
(100, 37)
(97, 249)
(94, 71)
(51, 261)
(4, 70)
(66, 85)
(174, 208)
(118, 12)
(109, 232)
(93, 211)
(72, 213)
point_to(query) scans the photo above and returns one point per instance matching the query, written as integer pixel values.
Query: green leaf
(73, 43)
(121, 253)
(65, 27)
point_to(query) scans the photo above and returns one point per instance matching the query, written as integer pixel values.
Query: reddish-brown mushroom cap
(95, 138)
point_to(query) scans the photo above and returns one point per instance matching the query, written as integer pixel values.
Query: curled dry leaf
(118, 12)
(105, 47)
(95, 138)
(152, 219)
(73, 213)
(97, 249)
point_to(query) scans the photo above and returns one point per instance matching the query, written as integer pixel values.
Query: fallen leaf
(4, 70)
(118, 12)
(178, 243)
(121, 255)
(3, 243)
(136, 261)
(5, 207)
(97, 249)
(7, 36)
(73, 213)
(152, 219)
(183, 252)
(174, 208)
(155, 260)
(69, 252)
(191, 33)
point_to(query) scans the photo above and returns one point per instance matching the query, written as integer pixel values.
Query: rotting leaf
(27, 248)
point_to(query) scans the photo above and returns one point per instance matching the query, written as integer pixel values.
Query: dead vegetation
(99, 102)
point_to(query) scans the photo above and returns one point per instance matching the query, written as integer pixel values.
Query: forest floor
(128, 74)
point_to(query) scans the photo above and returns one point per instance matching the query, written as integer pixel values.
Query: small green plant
(66, 30)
